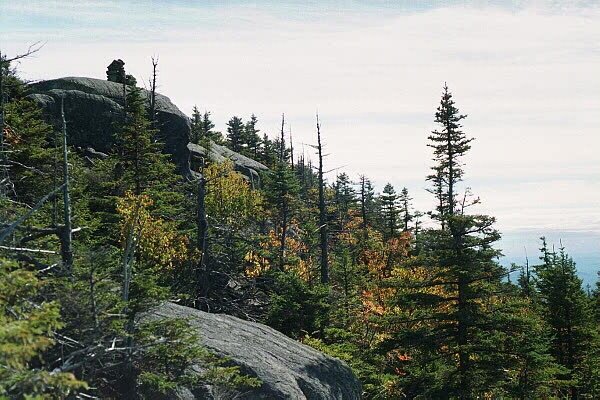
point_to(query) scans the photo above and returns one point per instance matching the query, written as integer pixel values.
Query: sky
(525, 73)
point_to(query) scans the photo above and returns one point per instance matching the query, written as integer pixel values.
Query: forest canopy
(87, 244)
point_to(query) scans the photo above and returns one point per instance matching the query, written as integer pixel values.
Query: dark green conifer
(406, 213)
(235, 133)
(388, 202)
(281, 190)
(196, 131)
(566, 308)
(449, 145)
(345, 199)
(451, 319)
(251, 138)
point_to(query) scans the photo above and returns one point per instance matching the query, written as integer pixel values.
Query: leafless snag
(153, 91)
(12, 226)
(322, 212)
(202, 275)
(282, 140)
(67, 230)
(291, 148)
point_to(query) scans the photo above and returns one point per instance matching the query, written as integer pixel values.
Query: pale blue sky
(526, 73)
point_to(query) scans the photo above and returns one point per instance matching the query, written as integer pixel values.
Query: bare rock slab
(287, 368)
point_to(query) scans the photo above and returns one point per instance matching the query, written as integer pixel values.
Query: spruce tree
(345, 199)
(281, 190)
(449, 145)
(206, 129)
(406, 213)
(566, 308)
(28, 328)
(28, 148)
(268, 154)
(367, 203)
(235, 133)
(196, 128)
(532, 372)
(388, 202)
(251, 138)
(139, 155)
(596, 300)
(450, 314)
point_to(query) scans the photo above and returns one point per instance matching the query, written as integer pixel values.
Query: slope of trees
(417, 313)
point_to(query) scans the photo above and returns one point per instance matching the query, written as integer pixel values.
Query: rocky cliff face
(288, 369)
(94, 106)
(218, 153)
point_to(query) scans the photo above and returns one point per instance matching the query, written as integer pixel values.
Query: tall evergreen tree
(251, 137)
(566, 309)
(406, 213)
(533, 372)
(388, 202)
(196, 131)
(235, 133)
(138, 153)
(281, 189)
(207, 126)
(449, 145)
(367, 203)
(451, 313)
(345, 199)
(268, 154)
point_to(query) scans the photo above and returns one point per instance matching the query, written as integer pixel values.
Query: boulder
(94, 106)
(287, 368)
(217, 153)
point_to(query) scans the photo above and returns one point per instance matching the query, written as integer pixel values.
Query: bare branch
(42, 232)
(37, 171)
(26, 250)
(6, 232)
(34, 48)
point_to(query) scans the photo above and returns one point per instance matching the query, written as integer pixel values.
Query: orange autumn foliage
(259, 264)
(382, 260)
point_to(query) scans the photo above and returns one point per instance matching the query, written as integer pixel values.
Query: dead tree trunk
(282, 141)
(284, 228)
(4, 177)
(131, 240)
(153, 92)
(322, 212)
(202, 274)
(202, 222)
(363, 206)
(291, 149)
(67, 230)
